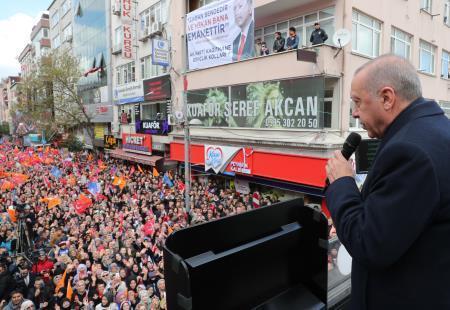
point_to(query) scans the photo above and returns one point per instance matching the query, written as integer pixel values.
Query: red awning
(138, 158)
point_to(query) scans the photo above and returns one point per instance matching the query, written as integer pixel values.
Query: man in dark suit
(243, 44)
(397, 228)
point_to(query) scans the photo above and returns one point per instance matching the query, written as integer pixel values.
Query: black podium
(270, 258)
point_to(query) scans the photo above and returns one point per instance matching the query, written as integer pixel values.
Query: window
(445, 69)
(126, 73)
(56, 42)
(426, 5)
(45, 32)
(366, 34)
(67, 33)
(157, 13)
(54, 20)
(401, 43)
(149, 70)
(445, 105)
(118, 38)
(150, 111)
(426, 57)
(303, 24)
(65, 7)
(447, 12)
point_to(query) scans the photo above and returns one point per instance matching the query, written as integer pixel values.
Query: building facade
(61, 19)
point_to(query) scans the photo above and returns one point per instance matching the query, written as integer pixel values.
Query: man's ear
(389, 97)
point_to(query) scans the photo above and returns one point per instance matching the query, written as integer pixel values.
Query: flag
(181, 186)
(90, 157)
(82, 204)
(56, 172)
(69, 291)
(93, 188)
(140, 169)
(19, 178)
(119, 181)
(12, 214)
(60, 284)
(155, 172)
(132, 170)
(167, 180)
(53, 202)
(7, 186)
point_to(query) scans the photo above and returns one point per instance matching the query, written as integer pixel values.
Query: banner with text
(127, 29)
(295, 103)
(137, 143)
(220, 33)
(218, 157)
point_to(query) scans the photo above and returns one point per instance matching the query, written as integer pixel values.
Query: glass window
(155, 13)
(126, 73)
(445, 70)
(67, 33)
(366, 34)
(56, 42)
(54, 20)
(426, 57)
(118, 38)
(325, 17)
(401, 43)
(45, 32)
(149, 70)
(65, 6)
(150, 111)
(426, 5)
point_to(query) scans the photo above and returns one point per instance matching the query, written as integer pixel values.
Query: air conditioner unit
(117, 49)
(116, 9)
(69, 38)
(156, 28)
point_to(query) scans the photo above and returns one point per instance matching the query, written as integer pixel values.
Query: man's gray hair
(394, 71)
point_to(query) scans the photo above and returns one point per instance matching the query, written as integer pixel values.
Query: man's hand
(338, 167)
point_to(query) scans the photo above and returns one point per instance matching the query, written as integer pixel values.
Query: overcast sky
(17, 17)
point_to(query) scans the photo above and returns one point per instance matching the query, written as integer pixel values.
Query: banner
(220, 33)
(217, 157)
(109, 141)
(242, 186)
(127, 29)
(157, 88)
(129, 93)
(137, 143)
(153, 127)
(294, 103)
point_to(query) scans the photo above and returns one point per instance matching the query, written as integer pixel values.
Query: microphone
(348, 148)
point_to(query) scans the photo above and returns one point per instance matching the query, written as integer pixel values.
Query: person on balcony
(292, 40)
(278, 45)
(264, 49)
(318, 36)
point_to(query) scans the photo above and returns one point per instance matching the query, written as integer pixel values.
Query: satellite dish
(344, 261)
(342, 37)
(179, 115)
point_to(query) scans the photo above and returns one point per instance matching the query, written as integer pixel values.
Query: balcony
(117, 49)
(271, 67)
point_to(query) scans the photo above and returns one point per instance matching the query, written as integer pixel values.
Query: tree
(50, 98)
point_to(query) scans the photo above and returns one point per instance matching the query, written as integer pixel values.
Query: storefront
(287, 172)
(137, 148)
(101, 113)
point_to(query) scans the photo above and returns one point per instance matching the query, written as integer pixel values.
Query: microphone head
(350, 145)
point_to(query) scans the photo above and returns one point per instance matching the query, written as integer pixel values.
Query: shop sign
(160, 52)
(153, 127)
(99, 131)
(129, 93)
(289, 104)
(127, 29)
(137, 143)
(241, 162)
(109, 141)
(99, 112)
(218, 157)
(242, 186)
(157, 88)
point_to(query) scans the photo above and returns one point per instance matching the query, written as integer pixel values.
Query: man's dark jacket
(397, 229)
(318, 36)
(249, 44)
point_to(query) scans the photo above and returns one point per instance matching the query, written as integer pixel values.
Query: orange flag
(61, 282)
(53, 202)
(12, 214)
(69, 291)
(120, 181)
(7, 185)
(155, 172)
(140, 169)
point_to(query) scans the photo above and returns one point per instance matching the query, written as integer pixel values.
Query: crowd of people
(96, 226)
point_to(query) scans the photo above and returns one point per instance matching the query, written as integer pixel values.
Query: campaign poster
(220, 33)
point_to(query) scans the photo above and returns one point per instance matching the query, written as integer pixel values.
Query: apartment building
(9, 98)
(61, 18)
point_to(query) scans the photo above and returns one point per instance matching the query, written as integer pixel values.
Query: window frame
(161, 6)
(394, 38)
(445, 59)
(126, 73)
(54, 39)
(432, 52)
(54, 20)
(447, 13)
(445, 105)
(69, 26)
(376, 33)
(426, 5)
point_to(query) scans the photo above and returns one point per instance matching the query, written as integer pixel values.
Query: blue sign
(160, 52)
(153, 127)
